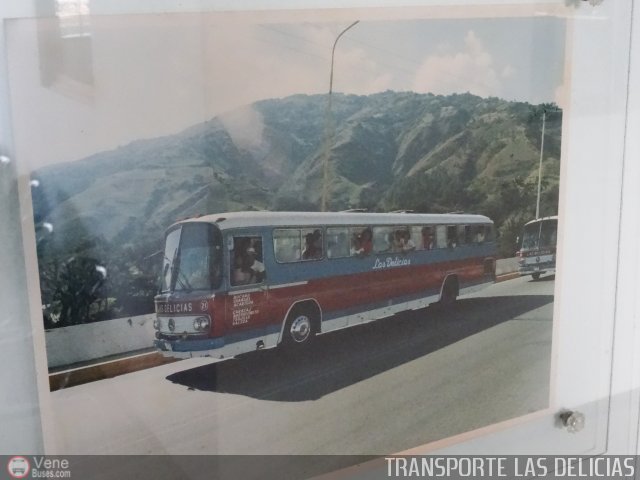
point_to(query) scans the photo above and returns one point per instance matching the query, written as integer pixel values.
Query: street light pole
(329, 126)
(544, 118)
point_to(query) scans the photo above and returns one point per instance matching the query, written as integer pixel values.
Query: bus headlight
(201, 323)
(157, 324)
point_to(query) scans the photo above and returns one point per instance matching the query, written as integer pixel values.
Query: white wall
(506, 265)
(80, 343)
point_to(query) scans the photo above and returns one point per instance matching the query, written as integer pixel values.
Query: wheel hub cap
(300, 328)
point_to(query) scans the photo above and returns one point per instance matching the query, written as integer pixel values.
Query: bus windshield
(192, 258)
(542, 234)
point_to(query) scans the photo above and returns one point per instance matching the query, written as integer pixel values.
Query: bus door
(248, 300)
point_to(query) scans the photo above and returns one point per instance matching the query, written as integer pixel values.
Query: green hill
(389, 151)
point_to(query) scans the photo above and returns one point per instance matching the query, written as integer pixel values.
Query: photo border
(445, 12)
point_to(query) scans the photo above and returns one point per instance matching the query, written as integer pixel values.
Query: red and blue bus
(237, 282)
(537, 254)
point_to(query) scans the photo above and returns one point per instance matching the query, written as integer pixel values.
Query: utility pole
(544, 118)
(330, 128)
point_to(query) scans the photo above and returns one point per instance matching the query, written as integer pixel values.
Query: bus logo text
(391, 262)
(174, 308)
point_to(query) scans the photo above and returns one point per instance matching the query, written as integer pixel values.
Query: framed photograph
(324, 234)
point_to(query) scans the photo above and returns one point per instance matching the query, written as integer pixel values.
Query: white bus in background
(537, 254)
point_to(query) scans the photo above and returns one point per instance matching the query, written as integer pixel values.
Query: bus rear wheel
(300, 328)
(449, 293)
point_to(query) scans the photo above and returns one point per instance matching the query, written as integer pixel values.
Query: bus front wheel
(536, 276)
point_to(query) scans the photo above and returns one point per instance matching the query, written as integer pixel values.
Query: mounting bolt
(572, 421)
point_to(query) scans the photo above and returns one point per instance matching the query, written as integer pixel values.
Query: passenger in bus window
(238, 276)
(246, 268)
(256, 267)
(362, 243)
(313, 246)
(406, 243)
(401, 242)
(427, 238)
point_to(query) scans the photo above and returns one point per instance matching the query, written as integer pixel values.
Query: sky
(116, 79)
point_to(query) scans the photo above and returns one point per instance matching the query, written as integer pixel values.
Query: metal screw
(573, 421)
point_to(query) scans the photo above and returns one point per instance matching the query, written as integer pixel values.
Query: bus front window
(193, 256)
(172, 242)
(548, 233)
(531, 236)
(541, 234)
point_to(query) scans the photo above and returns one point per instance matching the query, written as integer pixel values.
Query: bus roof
(543, 219)
(232, 220)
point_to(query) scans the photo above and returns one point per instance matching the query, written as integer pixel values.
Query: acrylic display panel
(124, 124)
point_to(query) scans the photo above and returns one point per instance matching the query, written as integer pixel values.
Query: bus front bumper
(186, 348)
(540, 269)
(213, 347)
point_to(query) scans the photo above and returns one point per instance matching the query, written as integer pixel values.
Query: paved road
(373, 389)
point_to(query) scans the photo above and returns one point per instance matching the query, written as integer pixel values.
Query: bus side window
(428, 237)
(452, 236)
(246, 261)
(401, 240)
(468, 234)
(287, 245)
(382, 239)
(312, 244)
(418, 238)
(337, 242)
(441, 236)
(362, 241)
(462, 234)
(477, 233)
(489, 234)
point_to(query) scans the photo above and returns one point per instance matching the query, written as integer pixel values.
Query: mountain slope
(387, 151)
